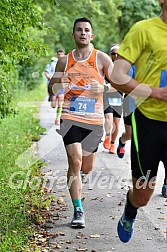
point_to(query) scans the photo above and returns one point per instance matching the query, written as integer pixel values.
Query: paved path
(104, 192)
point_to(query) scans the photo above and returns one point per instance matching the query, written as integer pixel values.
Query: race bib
(82, 105)
(115, 101)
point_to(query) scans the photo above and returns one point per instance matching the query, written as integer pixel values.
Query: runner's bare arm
(123, 82)
(56, 83)
(105, 66)
(47, 75)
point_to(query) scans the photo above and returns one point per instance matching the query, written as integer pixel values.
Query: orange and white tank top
(80, 103)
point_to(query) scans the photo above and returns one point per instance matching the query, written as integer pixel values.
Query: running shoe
(106, 142)
(78, 220)
(82, 176)
(112, 148)
(121, 149)
(125, 228)
(57, 122)
(164, 191)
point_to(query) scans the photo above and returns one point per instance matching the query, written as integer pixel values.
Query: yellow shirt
(145, 45)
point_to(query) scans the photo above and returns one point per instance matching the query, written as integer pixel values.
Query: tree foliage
(60, 17)
(111, 19)
(32, 31)
(133, 11)
(19, 21)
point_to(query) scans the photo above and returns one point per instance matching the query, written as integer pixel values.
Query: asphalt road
(104, 192)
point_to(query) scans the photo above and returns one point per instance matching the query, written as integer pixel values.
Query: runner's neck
(82, 54)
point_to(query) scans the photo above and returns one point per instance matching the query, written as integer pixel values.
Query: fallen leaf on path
(83, 199)
(60, 200)
(95, 236)
(95, 198)
(58, 246)
(81, 249)
(120, 203)
(69, 242)
(113, 217)
(61, 233)
(81, 236)
(45, 189)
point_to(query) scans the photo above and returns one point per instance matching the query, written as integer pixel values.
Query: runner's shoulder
(104, 58)
(61, 63)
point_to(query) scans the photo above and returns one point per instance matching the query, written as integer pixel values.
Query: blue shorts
(61, 91)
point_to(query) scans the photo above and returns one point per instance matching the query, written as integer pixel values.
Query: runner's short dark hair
(60, 50)
(83, 19)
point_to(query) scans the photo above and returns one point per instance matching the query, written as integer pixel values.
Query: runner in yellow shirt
(145, 45)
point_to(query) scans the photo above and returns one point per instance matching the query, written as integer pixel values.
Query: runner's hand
(159, 93)
(96, 87)
(65, 82)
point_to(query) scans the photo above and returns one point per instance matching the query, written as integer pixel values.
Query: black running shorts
(87, 134)
(151, 138)
(116, 110)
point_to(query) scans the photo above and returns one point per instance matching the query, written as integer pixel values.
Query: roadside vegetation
(17, 199)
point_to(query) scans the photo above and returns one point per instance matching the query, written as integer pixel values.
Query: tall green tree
(32, 31)
(111, 19)
(20, 20)
(133, 11)
(60, 17)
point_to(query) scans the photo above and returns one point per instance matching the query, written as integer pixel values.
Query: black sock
(130, 210)
(121, 142)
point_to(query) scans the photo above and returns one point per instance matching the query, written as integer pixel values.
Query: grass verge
(16, 198)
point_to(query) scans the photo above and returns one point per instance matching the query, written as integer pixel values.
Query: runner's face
(82, 33)
(60, 54)
(113, 54)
